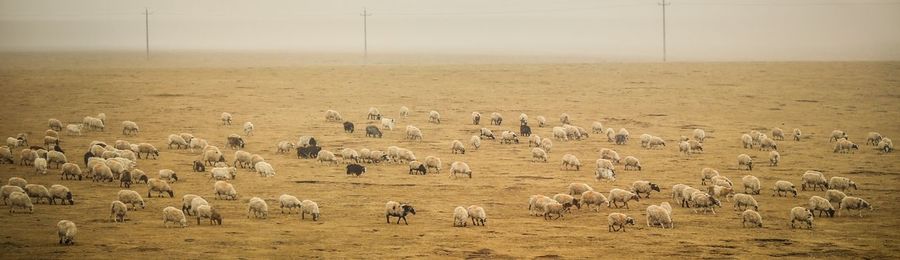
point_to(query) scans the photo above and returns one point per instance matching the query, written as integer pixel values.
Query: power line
(365, 36)
(147, 29)
(664, 4)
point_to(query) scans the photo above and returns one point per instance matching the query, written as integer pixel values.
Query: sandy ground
(285, 102)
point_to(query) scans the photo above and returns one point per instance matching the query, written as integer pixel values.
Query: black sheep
(199, 167)
(525, 130)
(373, 131)
(308, 152)
(355, 169)
(348, 127)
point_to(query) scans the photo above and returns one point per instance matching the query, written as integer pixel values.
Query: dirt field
(285, 102)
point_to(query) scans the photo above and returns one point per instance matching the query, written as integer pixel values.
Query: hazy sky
(617, 30)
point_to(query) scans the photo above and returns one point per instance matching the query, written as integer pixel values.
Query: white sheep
(404, 111)
(751, 218)
(639, 187)
(6, 190)
(248, 128)
(413, 133)
(258, 208)
(62, 193)
(886, 145)
(198, 143)
(747, 141)
(149, 149)
(821, 205)
(27, 156)
(496, 118)
(74, 129)
(434, 163)
(774, 158)
(577, 188)
(399, 210)
(66, 230)
(117, 211)
(159, 186)
(373, 114)
(168, 175)
(349, 154)
(19, 200)
(186, 203)
(813, 179)
(508, 137)
(226, 118)
(744, 161)
(837, 135)
(696, 146)
(721, 180)
(767, 144)
(553, 207)
(841, 183)
(652, 142)
(311, 208)
(207, 211)
(195, 205)
(477, 215)
(559, 133)
(742, 201)
(405, 155)
(848, 203)
(568, 201)
(803, 215)
(594, 200)
(619, 195)
(617, 221)
(835, 196)
(699, 135)
(387, 123)
(171, 214)
(326, 156)
(333, 116)
(597, 127)
(564, 119)
(707, 174)
(475, 141)
(457, 147)
(684, 147)
(751, 184)
(535, 140)
(224, 190)
(289, 202)
(546, 144)
(457, 168)
(54, 124)
(434, 117)
(93, 123)
(569, 160)
(487, 133)
(610, 154)
(538, 154)
(130, 128)
(40, 166)
(131, 197)
(476, 118)
(657, 215)
(845, 146)
(542, 121)
(678, 193)
(784, 187)
(38, 192)
(705, 201)
(460, 216)
(796, 134)
(284, 147)
(17, 181)
(523, 119)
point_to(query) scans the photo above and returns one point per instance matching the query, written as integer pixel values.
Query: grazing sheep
(399, 210)
(311, 208)
(784, 187)
(14, 142)
(129, 128)
(577, 188)
(413, 133)
(777, 134)
(721, 191)
(374, 114)
(742, 201)
(66, 231)
(207, 211)
(348, 154)
(696, 146)
(235, 141)
(747, 141)
(835, 196)
(168, 175)
(619, 195)
(131, 197)
(19, 200)
(477, 215)
(56, 157)
(223, 173)
(404, 111)
(258, 208)
(848, 203)
(434, 117)
(837, 135)
(707, 174)
(171, 214)
(159, 186)
(639, 187)
(93, 123)
(774, 158)
(752, 218)
(536, 204)
(684, 147)
(766, 144)
(457, 168)
(568, 201)
(38, 192)
(546, 144)
(645, 140)
(6, 190)
(597, 128)
(289, 202)
(355, 169)
(148, 149)
(27, 156)
(559, 133)
(333, 116)
(417, 167)
(845, 146)
(212, 156)
(226, 118)
(348, 127)
(496, 118)
(224, 190)
(404, 155)
(803, 215)
(657, 215)
(538, 154)
(617, 221)
(751, 184)
(186, 203)
(705, 201)
(284, 146)
(535, 140)
(118, 210)
(40, 166)
(722, 181)
(633, 162)
(460, 216)
(475, 141)
(487, 133)
(198, 143)
(373, 131)
(508, 137)
(841, 183)
(326, 156)
(677, 192)
(570, 160)
(62, 193)
(54, 124)
(476, 118)
(553, 207)
(457, 147)
(699, 135)
(195, 204)
(102, 172)
(610, 154)
(813, 179)
(523, 119)
(264, 169)
(655, 142)
(17, 181)
(592, 198)
(744, 161)
(70, 169)
(822, 205)
(886, 145)
(432, 162)
(387, 123)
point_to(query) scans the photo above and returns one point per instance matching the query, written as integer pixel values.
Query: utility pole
(365, 36)
(664, 4)
(147, 30)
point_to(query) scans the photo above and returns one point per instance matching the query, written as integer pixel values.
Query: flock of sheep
(118, 162)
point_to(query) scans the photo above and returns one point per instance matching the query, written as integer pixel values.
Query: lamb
(404, 111)
(159, 186)
(388, 123)
(413, 133)
(886, 145)
(546, 144)
(487, 133)
(457, 147)
(837, 135)
(434, 117)
(617, 221)
(148, 149)
(311, 208)
(752, 218)
(567, 201)
(223, 173)
(751, 184)
(620, 195)
(131, 197)
(399, 210)
(742, 201)
(374, 114)
(747, 141)
(333, 116)
(457, 168)
(610, 154)
(835, 196)
(803, 215)
(559, 133)
(348, 127)
(264, 169)
(168, 175)
(659, 215)
(225, 190)
(207, 211)
(639, 187)
(592, 198)
(54, 124)
(822, 205)
(744, 161)
(62, 193)
(784, 187)
(66, 231)
(538, 154)
(235, 141)
(373, 131)
(118, 210)
(496, 118)
(707, 174)
(258, 208)
(508, 137)
(703, 200)
(226, 118)
(38, 192)
(432, 162)
(417, 167)
(813, 179)
(326, 156)
(477, 215)
(40, 166)
(699, 135)
(570, 160)
(18, 200)
(460, 216)
(289, 202)
(848, 203)
(129, 128)
(475, 141)
(171, 214)
(841, 183)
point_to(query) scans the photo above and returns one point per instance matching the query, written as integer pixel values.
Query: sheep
(432, 162)
(326, 156)
(399, 210)
(487, 133)
(592, 198)
(387, 123)
(848, 203)
(774, 158)
(40, 166)
(721, 180)
(605, 164)
(559, 133)
(639, 187)
(535, 140)
(224, 190)
(707, 174)
(546, 144)
(333, 116)
(198, 143)
(886, 145)
(457, 168)
(822, 205)
(617, 221)
(645, 140)
(56, 157)
(6, 190)
(417, 167)
(747, 141)
(604, 174)
(703, 200)
(13, 142)
(813, 179)
(54, 124)
(264, 169)
(657, 215)
(18, 199)
(258, 208)
(17, 181)
(720, 191)
(767, 144)
(619, 195)
(38, 192)
(621, 136)
(131, 197)
(404, 155)
(139, 176)
(752, 218)
(572, 132)
(6, 155)
(195, 204)
(477, 215)
(178, 141)
(538, 154)
(168, 175)
(536, 204)
(373, 114)
(404, 111)
(171, 214)
(130, 128)
(212, 156)
(742, 201)
(784, 187)
(27, 157)
(207, 211)
(223, 173)
(744, 161)
(413, 133)
(841, 183)
(751, 184)
(373, 131)
(159, 186)
(677, 192)
(496, 118)
(570, 160)
(226, 118)
(311, 208)
(845, 146)
(460, 216)
(568, 201)
(66, 230)
(699, 135)
(148, 149)
(553, 207)
(475, 141)
(93, 123)
(610, 154)
(835, 196)
(837, 135)
(803, 215)
(457, 147)
(633, 162)
(186, 203)
(349, 154)
(434, 117)
(577, 188)
(289, 202)
(597, 127)
(684, 147)
(235, 141)
(117, 211)
(696, 146)
(508, 137)
(62, 193)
